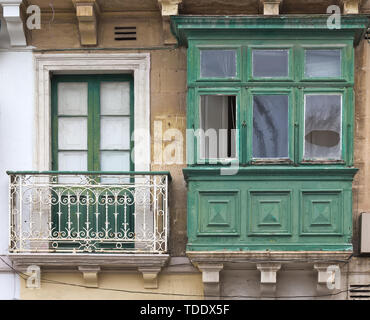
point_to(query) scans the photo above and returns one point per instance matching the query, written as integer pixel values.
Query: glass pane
(72, 133)
(115, 98)
(115, 133)
(218, 63)
(72, 98)
(323, 63)
(218, 120)
(72, 160)
(323, 115)
(270, 63)
(115, 160)
(270, 126)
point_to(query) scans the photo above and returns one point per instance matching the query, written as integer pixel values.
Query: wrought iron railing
(88, 212)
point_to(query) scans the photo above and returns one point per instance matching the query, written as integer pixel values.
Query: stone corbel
(150, 276)
(168, 8)
(211, 280)
(87, 12)
(90, 275)
(271, 7)
(351, 6)
(14, 22)
(268, 277)
(325, 276)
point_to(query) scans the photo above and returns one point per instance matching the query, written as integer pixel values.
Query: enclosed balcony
(89, 218)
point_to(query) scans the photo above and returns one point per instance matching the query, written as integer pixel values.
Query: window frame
(237, 48)
(295, 84)
(93, 116)
(346, 74)
(249, 110)
(223, 92)
(345, 125)
(291, 58)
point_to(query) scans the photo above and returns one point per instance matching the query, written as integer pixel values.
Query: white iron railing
(88, 212)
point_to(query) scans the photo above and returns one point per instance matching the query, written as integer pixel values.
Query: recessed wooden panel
(219, 213)
(269, 212)
(321, 212)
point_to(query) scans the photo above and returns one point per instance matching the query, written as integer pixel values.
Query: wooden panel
(321, 212)
(219, 213)
(269, 212)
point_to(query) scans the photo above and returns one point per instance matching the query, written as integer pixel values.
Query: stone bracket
(268, 277)
(351, 6)
(87, 12)
(268, 272)
(270, 7)
(211, 280)
(14, 22)
(168, 8)
(324, 275)
(90, 275)
(150, 276)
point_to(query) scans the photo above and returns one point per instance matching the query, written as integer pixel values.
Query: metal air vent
(124, 33)
(359, 291)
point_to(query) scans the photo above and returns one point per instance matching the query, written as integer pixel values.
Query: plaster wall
(16, 141)
(180, 285)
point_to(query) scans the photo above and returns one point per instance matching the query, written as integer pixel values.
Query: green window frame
(296, 84)
(238, 53)
(223, 92)
(346, 63)
(257, 91)
(288, 48)
(93, 115)
(346, 124)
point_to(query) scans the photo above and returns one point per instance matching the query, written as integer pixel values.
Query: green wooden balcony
(270, 208)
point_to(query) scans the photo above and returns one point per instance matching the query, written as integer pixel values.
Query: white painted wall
(16, 138)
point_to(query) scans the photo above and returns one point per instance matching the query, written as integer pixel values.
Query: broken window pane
(323, 126)
(270, 63)
(323, 63)
(218, 63)
(270, 126)
(218, 122)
